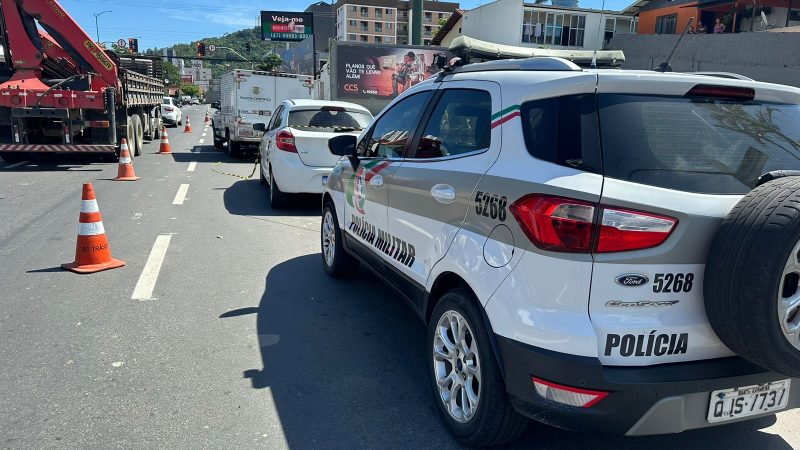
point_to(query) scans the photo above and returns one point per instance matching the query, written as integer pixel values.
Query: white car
(600, 250)
(171, 113)
(294, 148)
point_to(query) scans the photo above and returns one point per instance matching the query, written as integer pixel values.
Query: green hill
(258, 50)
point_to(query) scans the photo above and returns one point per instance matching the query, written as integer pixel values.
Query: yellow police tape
(258, 159)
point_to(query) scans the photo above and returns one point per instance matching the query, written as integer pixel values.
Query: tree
(171, 73)
(190, 89)
(442, 22)
(271, 63)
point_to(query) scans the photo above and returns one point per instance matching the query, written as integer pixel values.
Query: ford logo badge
(632, 279)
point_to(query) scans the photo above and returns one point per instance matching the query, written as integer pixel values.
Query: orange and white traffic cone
(125, 171)
(92, 253)
(188, 127)
(165, 148)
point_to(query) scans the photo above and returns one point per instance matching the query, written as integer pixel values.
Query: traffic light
(247, 46)
(201, 49)
(133, 45)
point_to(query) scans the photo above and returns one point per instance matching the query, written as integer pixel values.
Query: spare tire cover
(752, 277)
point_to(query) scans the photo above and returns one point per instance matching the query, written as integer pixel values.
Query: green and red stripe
(505, 115)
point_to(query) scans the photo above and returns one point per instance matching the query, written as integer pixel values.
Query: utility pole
(252, 64)
(96, 26)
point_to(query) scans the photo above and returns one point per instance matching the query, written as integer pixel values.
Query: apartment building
(388, 21)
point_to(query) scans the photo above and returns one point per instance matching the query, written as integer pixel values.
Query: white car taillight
(567, 395)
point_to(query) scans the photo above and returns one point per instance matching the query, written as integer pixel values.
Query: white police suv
(601, 250)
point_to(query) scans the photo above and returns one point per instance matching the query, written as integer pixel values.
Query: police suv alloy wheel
(468, 388)
(752, 277)
(335, 259)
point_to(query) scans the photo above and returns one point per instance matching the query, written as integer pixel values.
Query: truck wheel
(235, 149)
(218, 142)
(335, 259)
(228, 141)
(752, 277)
(468, 388)
(137, 135)
(277, 198)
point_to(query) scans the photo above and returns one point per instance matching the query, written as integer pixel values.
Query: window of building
(426, 42)
(351, 37)
(427, 31)
(389, 40)
(547, 28)
(352, 9)
(405, 14)
(378, 13)
(389, 26)
(364, 38)
(364, 11)
(379, 27)
(378, 40)
(666, 24)
(352, 23)
(364, 26)
(428, 17)
(388, 12)
(608, 35)
(443, 16)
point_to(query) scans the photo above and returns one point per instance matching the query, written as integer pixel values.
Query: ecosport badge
(632, 279)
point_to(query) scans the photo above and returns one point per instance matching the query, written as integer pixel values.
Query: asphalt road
(244, 342)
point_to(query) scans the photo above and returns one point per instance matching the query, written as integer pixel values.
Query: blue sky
(160, 23)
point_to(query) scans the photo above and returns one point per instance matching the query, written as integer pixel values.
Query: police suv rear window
(564, 131)
(705, 145)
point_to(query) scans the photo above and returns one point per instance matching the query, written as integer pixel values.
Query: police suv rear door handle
(443, 193)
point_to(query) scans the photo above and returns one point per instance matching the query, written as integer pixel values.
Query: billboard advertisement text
(286, 26)
(381, 72)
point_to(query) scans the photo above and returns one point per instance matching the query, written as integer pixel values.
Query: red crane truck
(60, 92)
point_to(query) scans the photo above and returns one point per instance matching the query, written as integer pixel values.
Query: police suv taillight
(567, 225)
(567, 395)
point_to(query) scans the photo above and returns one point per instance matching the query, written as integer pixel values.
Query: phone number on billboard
(288, 35)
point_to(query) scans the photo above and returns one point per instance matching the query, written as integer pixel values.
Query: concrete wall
(499, 22)
(770, 57)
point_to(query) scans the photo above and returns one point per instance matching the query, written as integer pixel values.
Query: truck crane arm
(27, 49)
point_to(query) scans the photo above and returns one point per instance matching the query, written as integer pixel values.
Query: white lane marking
(191, 167)
(180, 196)
(147, 280)
(11, 166)
(201, 141)
(204, 134)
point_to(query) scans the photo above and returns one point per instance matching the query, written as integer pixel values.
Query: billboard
(381, 72)
(286, 26)
(186, 79)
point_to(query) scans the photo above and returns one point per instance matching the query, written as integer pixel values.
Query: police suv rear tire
(751, 291)
(492, 421)
(335, 259)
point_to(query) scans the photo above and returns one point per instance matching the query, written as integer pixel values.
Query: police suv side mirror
(344, 146)
(260, 127)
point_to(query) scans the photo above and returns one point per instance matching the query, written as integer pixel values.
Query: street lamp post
(96, 26)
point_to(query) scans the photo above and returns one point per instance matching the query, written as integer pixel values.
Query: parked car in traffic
(601, 250)
(171, 114)
(294, 146)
